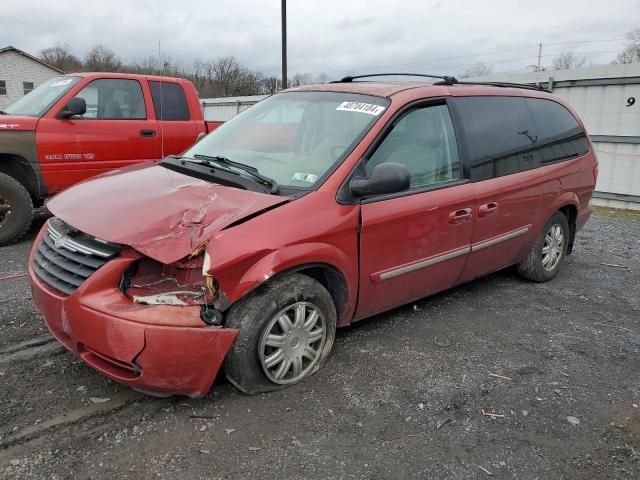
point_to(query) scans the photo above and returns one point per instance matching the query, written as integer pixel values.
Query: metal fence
(223, 109)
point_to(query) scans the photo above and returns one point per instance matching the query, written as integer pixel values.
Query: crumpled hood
(162, 214)
(13, 123)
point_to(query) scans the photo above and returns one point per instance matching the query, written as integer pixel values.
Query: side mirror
(385, 178)
(75, 106)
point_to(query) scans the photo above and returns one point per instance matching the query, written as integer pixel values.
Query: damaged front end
(182, 283)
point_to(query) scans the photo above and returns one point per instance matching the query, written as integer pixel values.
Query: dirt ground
(554, 367)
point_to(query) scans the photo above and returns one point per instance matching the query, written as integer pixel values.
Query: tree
(101, 59)
(478, 70)
(631, 51)
(60, 57)
(300, 79)
(322, 78)
(566, 60)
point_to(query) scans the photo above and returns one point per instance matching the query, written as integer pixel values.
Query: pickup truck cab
(77, 126)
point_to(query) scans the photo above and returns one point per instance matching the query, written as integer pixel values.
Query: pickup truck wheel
(16, 210)
(548, 253)
(287, 330)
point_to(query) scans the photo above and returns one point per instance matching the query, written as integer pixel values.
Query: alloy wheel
(292, 343)
(553, 247)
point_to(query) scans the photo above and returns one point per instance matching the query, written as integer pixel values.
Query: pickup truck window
(114, 99)
(40, 100)
(295, 138)
(169, 101)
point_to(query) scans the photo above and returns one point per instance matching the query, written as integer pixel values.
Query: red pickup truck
(77, 126)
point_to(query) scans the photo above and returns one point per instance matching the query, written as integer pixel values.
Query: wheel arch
(21, 170)
(323, 263)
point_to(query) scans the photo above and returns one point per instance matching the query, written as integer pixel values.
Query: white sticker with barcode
(61, 83)
(369, 108)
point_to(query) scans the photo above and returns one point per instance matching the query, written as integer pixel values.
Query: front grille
(66, 257)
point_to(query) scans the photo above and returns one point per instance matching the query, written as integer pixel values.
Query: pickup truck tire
(287, 328)
(549, 251)
(15, 223)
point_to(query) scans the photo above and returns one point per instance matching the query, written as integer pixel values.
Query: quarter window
(559, 135)
(27, 87)
(169, 101)
(3, 87)
(424, 141)
(114, 99)
(501, 135)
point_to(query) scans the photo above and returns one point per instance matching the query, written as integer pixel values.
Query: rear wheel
(16, 210)
(286, 333)
(548, 253)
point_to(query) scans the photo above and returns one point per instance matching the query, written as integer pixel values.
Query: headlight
(182, 283)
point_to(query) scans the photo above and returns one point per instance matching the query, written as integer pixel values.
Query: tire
(257, 319)
(542, 266)
(15, 223)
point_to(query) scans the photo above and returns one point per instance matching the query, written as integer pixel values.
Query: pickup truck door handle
(147, 133)
(487, 209)
(460, 216)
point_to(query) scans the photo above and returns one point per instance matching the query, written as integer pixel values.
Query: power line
(499, 52)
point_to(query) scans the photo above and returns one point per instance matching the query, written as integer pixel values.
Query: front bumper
(157, 349)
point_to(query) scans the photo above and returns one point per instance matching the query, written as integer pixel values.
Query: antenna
(161, 119)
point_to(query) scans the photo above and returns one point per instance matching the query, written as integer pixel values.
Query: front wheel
(16, 210)
(287, 329)
(548, 253)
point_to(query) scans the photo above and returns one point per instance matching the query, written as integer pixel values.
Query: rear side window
(169, 101)
(559, 135)
(500, 133)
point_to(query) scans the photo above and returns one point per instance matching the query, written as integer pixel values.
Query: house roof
(25, 54)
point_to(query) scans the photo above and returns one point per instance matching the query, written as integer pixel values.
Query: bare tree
(101, 59)
(322, 78)
(566, 60)
(631, 52)
(60, 57)
(271, 85)
(478, 70)
(301, 79)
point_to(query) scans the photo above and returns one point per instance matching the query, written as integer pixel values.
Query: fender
(21, 145)
(234, 286)
(562, 200)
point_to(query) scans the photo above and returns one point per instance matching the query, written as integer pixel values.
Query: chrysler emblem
(60, 241)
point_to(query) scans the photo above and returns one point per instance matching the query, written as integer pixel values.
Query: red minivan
(318, 207)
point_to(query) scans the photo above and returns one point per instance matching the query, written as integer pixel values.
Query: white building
(607, 98)
(20, 73)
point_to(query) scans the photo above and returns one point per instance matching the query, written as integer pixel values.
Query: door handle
(460, 216)
(487, 209)
(147, 133)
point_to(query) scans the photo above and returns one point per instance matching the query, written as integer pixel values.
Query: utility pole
(539, 55)
(284, 43)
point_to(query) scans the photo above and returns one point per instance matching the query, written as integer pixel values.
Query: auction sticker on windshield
(369, 108)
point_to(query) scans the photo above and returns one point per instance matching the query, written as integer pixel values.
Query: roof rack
(444, 80)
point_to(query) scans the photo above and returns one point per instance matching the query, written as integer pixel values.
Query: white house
(20, 73)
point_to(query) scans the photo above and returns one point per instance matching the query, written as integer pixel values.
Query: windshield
(295, 137)
(37, 102)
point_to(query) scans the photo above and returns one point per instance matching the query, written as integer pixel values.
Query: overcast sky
(333, 36)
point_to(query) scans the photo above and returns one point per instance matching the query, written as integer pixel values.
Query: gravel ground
(496, 378)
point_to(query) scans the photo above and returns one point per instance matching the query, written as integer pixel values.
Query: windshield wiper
(253, 171)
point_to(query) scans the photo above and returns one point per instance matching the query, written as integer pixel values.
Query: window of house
(423, 141)
(3, 87)
(27, 87)
(114, 99)
(169, 101)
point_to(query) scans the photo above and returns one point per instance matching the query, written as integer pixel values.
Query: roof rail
(525, 86)
(444, 80)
